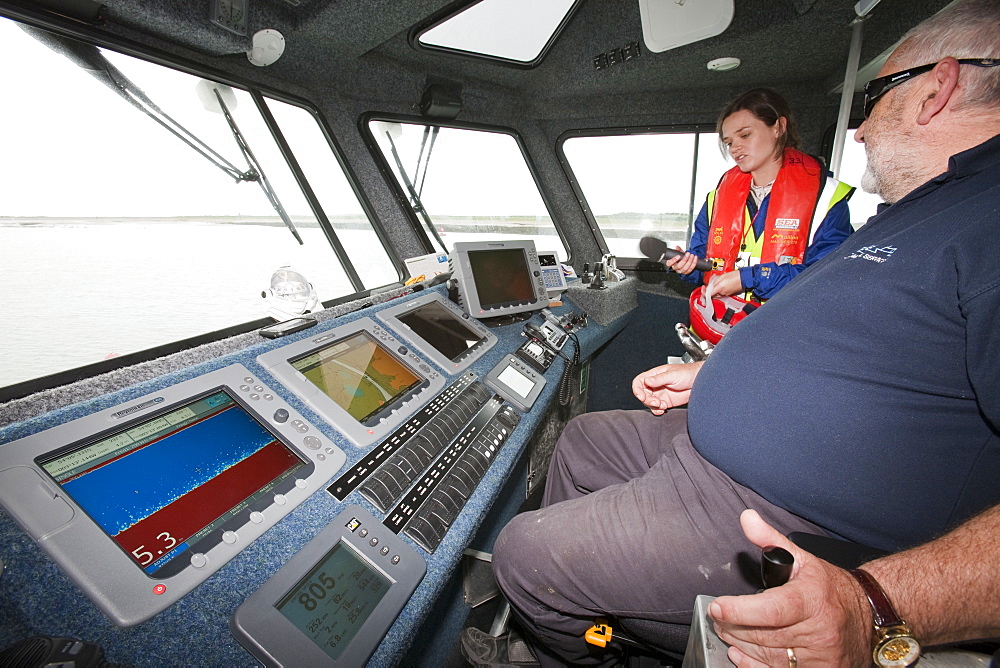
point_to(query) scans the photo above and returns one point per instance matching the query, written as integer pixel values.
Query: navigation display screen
(163, 484)
(359, 375)
(501, 277)
(334, 599)
(442, 329)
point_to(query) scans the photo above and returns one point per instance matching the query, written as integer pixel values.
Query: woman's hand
(724, 285)
(665, 386)
(682, 264)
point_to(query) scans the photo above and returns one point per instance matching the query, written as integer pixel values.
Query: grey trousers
(634, 524)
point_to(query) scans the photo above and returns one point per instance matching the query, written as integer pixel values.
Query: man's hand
(682, 264)
(821, 612)
(724, 285)
(665, 386)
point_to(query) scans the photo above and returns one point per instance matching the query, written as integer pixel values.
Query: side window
(639, 185)
(466, 185)
(137, 210)
(852, 166)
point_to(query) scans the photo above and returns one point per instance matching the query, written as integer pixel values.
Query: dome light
(723, 64)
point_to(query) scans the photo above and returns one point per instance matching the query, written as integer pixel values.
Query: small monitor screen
(359, 375)
(334, 599)
(442, 329)
(502, 277)
(518, 383)
(161, 485)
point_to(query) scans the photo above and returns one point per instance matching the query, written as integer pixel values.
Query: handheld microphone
(657, 249)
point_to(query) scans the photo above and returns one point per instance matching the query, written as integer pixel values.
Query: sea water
(76, 293)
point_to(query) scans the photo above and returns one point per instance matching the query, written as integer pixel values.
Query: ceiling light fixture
(723, 64)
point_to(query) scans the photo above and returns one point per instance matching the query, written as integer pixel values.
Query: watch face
(898, 651)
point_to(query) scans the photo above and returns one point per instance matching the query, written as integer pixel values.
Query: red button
(160, 589)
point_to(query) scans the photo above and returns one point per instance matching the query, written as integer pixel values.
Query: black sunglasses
(876, 88)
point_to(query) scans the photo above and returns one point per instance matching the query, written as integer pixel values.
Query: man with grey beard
(861, 402)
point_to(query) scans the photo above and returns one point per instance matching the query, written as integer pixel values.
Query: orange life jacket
(790, 210)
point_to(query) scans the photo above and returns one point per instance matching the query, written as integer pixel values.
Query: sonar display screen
(359, 375)
(161, 485)
(442, 329)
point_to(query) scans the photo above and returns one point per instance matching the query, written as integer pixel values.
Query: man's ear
(945, 81)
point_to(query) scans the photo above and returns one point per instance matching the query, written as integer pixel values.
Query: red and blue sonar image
(160, 486)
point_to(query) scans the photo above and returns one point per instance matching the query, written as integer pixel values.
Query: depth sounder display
(161, 486)
(143, 500)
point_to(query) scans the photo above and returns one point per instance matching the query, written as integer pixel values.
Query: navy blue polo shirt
(865, 395)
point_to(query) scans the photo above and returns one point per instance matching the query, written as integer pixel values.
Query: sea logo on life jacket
(786, 224)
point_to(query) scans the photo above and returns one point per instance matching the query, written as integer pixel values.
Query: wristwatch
(895, 644)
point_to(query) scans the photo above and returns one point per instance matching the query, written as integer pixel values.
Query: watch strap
(883, 612)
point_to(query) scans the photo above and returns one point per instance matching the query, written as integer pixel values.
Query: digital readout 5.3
(162, 484)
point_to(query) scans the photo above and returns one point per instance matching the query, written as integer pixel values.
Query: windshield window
(640, 185)
(466, 185)
(117, 235)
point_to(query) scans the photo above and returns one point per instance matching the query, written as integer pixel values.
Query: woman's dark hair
(768, 106)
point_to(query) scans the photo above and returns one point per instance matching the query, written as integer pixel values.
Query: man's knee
(509, 551)
(522, 559)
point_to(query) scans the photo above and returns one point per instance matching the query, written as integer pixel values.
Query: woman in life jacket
(773, 214)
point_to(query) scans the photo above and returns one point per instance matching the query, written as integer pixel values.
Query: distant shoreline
(623, 225)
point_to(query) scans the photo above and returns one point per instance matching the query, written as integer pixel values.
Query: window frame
(86, 33)
(630, 263)
(364, 126)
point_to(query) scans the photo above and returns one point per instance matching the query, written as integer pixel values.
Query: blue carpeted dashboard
(37, 598)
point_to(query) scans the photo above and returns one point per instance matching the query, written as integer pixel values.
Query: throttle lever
(775, 566)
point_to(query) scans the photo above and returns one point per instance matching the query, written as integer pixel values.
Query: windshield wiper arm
(90, 58)
(255, 173)
(415, 201)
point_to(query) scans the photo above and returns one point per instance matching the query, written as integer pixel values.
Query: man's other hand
(665, 386)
